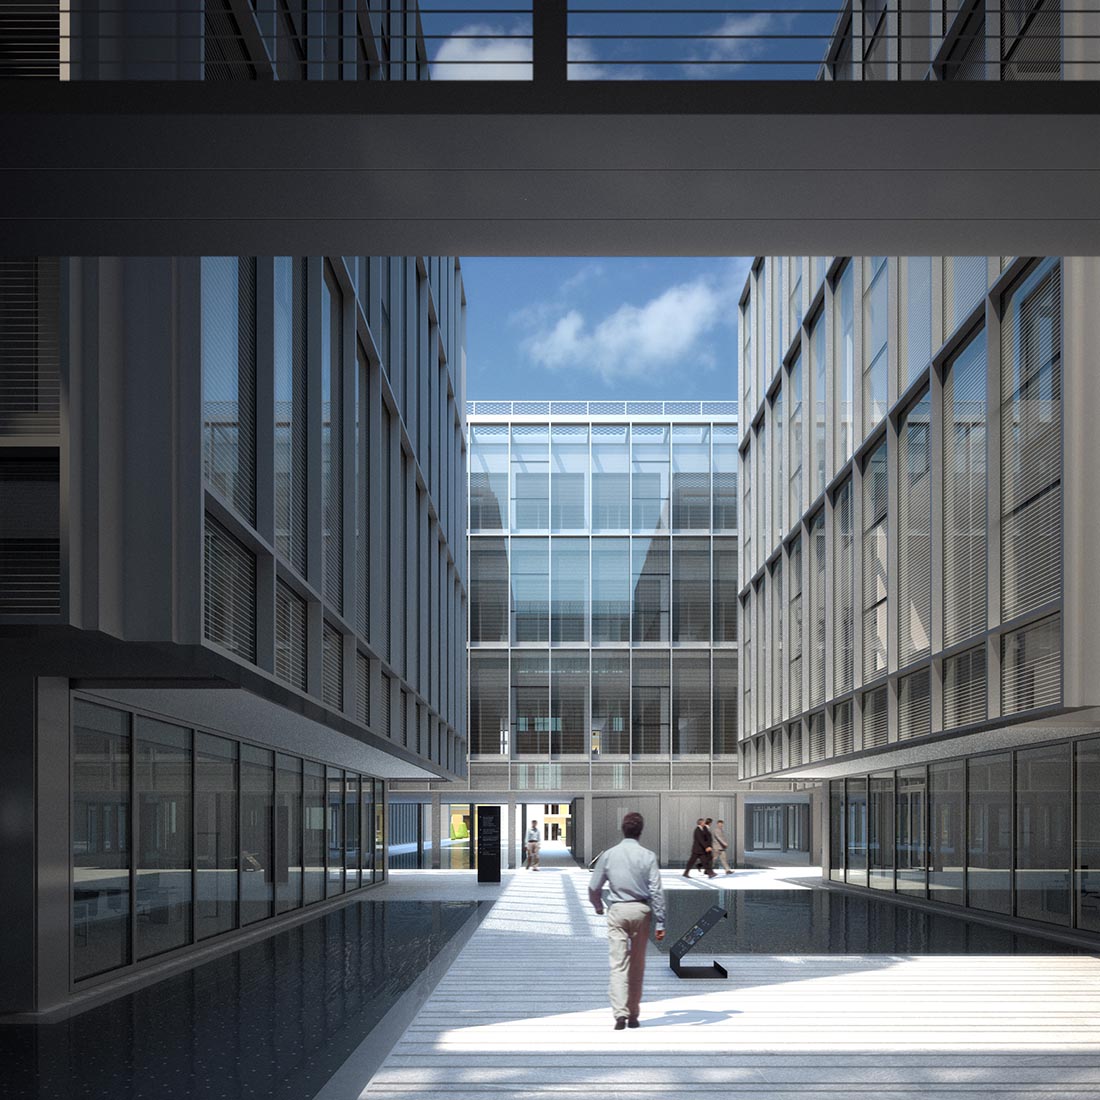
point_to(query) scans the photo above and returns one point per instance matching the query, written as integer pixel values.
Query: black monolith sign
(488, 844)
(689, 939)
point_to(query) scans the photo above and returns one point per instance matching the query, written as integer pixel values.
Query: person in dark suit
(700, 850)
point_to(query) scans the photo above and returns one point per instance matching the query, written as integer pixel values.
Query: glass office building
(916, 592)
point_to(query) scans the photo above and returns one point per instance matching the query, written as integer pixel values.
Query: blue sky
(602, 328)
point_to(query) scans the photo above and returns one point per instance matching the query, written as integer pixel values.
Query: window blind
(915, 523)
(290, 636)
(229, 591)
(30, 373)
(1031, 666)
(964, 688)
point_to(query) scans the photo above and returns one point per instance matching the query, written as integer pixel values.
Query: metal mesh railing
(549, 40)
(602, 408)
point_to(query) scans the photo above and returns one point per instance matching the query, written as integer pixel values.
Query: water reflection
(275, 1019)
(823, 922)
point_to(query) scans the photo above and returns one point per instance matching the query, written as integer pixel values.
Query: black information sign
(488, 844)
(689, 939)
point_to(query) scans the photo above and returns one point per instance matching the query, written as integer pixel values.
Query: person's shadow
(690, 1016)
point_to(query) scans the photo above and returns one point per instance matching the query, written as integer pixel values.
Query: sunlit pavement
(523, 1012)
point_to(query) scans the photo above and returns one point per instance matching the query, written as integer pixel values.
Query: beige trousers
(532, 855)
(720, 857)
(627, 936)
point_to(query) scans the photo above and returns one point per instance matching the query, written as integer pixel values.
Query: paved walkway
(523, 1013)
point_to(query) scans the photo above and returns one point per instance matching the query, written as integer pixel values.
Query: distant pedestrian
(634, 895)
(533, 838)
(721, 844)
(709, 867)
(700, 850)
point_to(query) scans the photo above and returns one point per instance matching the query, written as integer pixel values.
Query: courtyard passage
(964, 1010)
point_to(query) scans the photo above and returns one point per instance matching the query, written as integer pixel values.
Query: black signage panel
(488, 844)
(689, 939)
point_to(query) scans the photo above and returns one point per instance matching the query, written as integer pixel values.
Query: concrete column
(435, 835)
(510, 834)
(587, 851)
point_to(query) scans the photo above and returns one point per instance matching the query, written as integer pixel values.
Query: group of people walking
(707, 845)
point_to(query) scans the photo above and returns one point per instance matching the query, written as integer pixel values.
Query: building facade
(918, 610)
(603, 665)
(232, 594)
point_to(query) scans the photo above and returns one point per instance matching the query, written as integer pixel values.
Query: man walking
(700, 850)
(634, 894)
(721, 844)
(533, 838)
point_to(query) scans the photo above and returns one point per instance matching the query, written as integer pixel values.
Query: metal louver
(844, 625)
(332, 668)
(224, 54)
(30, 376)
(1031, 666)
(817, 608)
(362, 689)
(843, 738)
(1031, 442)
(384, 708)
(290, 636)
(875, 718)
(817, 736)
(914, 705)
(794, 745)
(964, 688)
(229, 591)
(30, 543)
(874, 562)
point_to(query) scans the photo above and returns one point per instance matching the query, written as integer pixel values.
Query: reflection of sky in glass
(635, 39)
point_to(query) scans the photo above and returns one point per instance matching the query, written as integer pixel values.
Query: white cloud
(748, 37)
(480, 51)
(665, 334)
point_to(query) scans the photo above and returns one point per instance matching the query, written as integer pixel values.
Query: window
(334, 817)
(531, 692)
(568, 701)
(569, 477)
(611, 702)
(1043, 834)
(288, 832)
(915, 522)
(725, 590)
(610, 590)
(650, 578)
(216, 851)
(794, 625)
(530, 590)
(488, 607)
(844, 364)
(724, 458)
(313, 833)
(794, 441)
(819, 398)
(691, 590)
(964, 688)
(530, 477)
(229, 591)
(778, 606)
(874, 563)
(880, 832)
(690, 703)
(915, 327)
(964, 281)
(778, 493)
(650, 704)
(690, 477)
(569, 591)
(989, 836)
(1031, 666)
(1031, 441)
(332, 439)
(488, 477)
(489, 722)
(965, 525)
(856, 831)
(291, 416)
(610, 478)
(844, 625)
(725, 702)
(257, 805)
(817, 606)
(649, 478)
(876, 354)
(911, 847)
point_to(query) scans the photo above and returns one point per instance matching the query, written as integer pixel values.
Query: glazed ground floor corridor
(830, 994)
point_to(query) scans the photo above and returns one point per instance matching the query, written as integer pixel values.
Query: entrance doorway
(778, 828)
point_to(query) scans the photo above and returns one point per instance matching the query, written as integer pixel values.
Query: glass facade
(1013, 833)
(179, 835)
(603, 610)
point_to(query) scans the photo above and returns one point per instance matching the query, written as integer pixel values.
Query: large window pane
(1086, 857)
(530, 590)
(915, 534)
(610, 590)
(876, 355)
(531, 702)
(844, 580)
(489, 477)
(912, 849)
(819, 399)
(651, 589)
(650, 703)
(947, 810)
(856, 831)
(216, 847)
(844, 364)
(874, 563)
(690, 703)
(725, 590)
(488, 590)
(568, 701)
(880, 833)
(569, 590)
(796, 503)
(530, 477)
(915, 283)
(257, 810)
(313, 832)
(569, 477)
(610, 478)
(610, 704)
(724, 459)
(334, 883)
(291, 421)
(366, 830)
(725, 702)
(351, 831)
(332, 439)
(100, 839)
(1042, 833)
(288, 833)
(649, 478)
(989, 833)
(691, 477)
(162, 774)
(489, 723)
(691, 591)
(836, 830)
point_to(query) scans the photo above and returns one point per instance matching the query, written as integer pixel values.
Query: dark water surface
(273, 1020)
(825, 922)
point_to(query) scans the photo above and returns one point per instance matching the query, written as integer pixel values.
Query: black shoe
(687, 874)
(620, 1023)
(711, 874)
(633, 1022)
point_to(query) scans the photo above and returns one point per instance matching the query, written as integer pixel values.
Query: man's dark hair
(707, 822)
(632, 825)
(721, 822)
